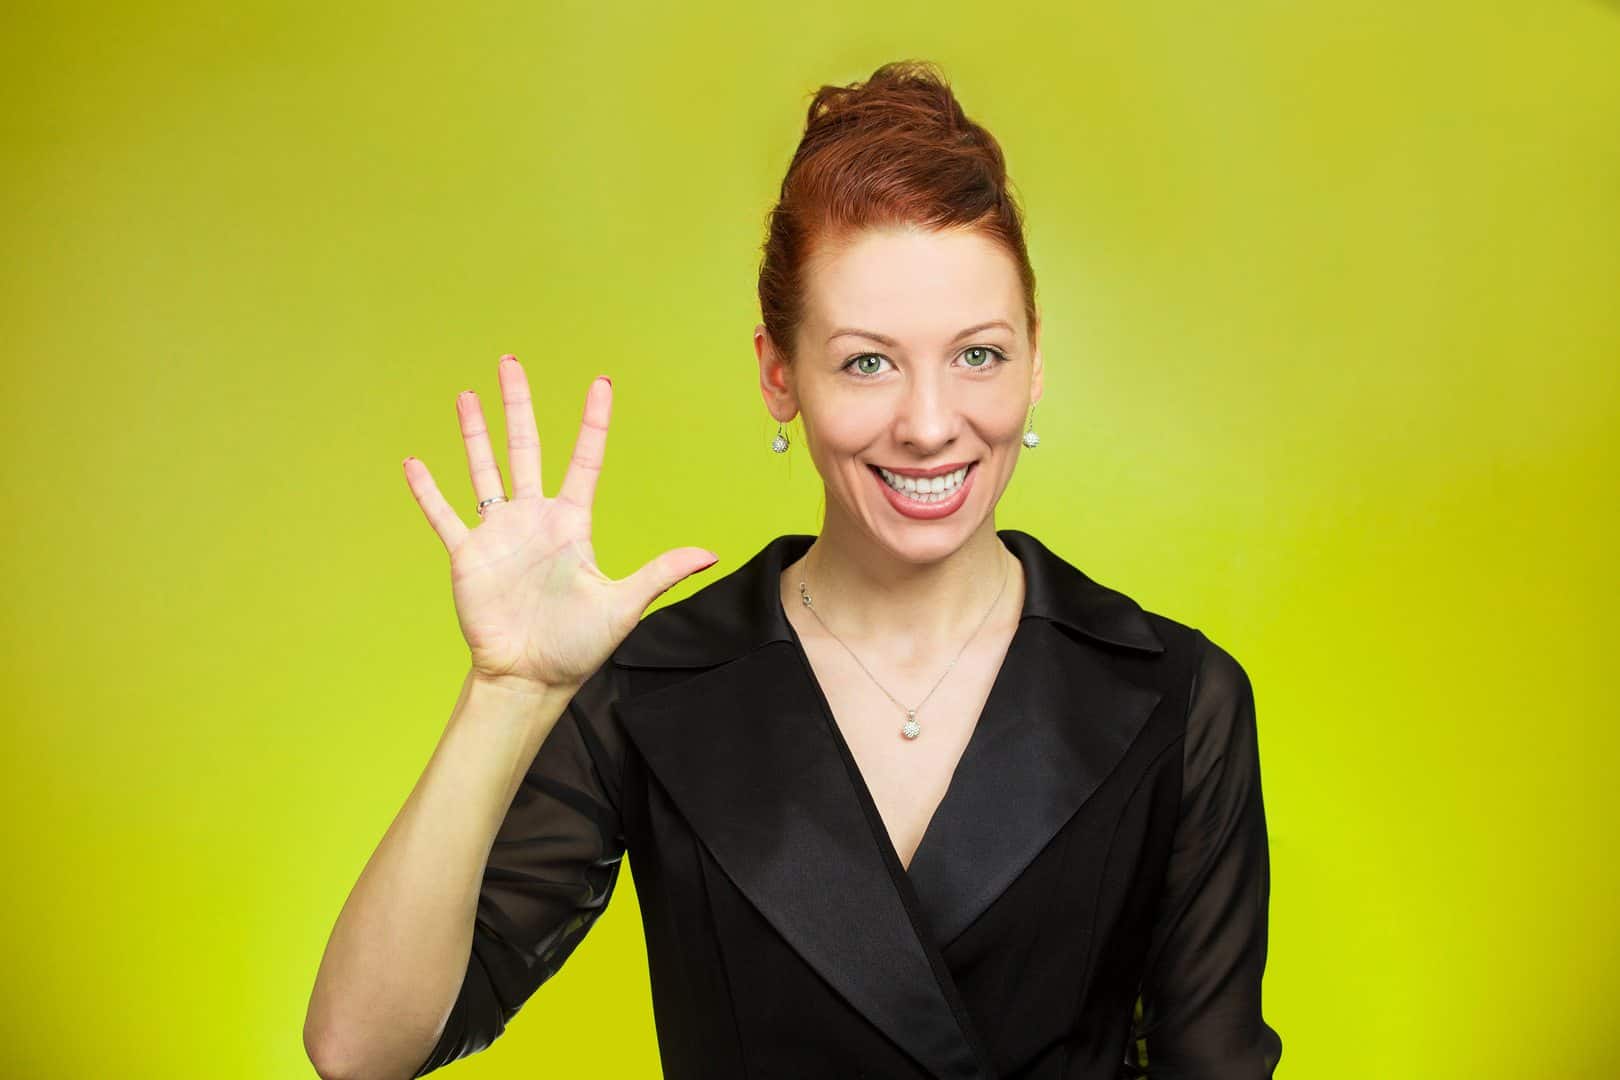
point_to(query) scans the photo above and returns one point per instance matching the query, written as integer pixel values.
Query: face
(913, 359)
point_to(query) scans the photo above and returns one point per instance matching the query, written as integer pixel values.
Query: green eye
(867, 365)
(859, 362)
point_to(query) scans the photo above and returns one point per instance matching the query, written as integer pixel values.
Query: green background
(1331, 342)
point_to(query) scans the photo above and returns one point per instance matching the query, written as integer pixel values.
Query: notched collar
(749, 753)
(742, 611)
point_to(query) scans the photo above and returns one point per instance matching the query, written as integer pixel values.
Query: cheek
(1002, 422)
(842, 429)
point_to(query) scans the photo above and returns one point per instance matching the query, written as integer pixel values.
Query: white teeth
(930, 489)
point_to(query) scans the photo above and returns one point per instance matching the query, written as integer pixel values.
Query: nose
(926, 415)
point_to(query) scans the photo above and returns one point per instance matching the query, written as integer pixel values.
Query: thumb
(657, 576)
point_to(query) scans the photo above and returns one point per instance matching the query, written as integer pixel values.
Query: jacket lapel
(748, 753)
(747, 758)
(1056, 723)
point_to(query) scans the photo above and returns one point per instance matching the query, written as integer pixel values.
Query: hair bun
(895, 148)
(909, 100)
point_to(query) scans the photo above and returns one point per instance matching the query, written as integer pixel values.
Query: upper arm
(1201, 1010)
(550, 872)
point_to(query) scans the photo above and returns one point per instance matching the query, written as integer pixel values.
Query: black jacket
(1102, 838)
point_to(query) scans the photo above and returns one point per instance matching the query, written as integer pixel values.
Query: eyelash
(1000, 358)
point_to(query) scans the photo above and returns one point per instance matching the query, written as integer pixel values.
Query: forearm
(394, 963)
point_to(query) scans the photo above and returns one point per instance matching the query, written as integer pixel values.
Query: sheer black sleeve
(550, 872)
(1201, 1014)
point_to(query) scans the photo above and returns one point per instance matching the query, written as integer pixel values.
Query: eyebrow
(891, 343)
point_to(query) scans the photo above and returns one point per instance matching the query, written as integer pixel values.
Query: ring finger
(481, 465)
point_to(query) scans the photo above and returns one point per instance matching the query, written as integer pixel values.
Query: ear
(1037, 374)
(775, 378)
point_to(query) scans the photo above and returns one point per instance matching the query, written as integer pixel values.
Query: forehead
(909, 281)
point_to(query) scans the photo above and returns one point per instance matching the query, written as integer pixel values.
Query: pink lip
(927, 511)
(924, 474)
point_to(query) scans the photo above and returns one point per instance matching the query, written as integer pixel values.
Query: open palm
(530, 599)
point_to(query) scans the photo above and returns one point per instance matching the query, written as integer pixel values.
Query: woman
(913, 797)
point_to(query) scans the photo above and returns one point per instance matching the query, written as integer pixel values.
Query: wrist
(518, 686)
(523, 708)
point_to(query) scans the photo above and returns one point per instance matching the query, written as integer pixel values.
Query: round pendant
(911, 729)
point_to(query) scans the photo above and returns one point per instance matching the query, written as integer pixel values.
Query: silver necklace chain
(910, 729)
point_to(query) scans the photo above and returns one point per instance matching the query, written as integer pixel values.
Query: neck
(868, 593)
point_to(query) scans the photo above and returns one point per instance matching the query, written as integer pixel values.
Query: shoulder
(1192, 667)
(1215, 680)
(1221, 750)
(1221, 679)
(1206, 668)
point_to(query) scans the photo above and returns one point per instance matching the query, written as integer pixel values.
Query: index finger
(579, 486)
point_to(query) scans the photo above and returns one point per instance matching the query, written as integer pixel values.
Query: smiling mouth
(925, 490)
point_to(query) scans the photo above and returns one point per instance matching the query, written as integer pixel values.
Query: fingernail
(605, 379)
(507, 357)
(404, 463)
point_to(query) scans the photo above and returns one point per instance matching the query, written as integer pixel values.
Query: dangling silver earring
(780, 443)
(1031, 439)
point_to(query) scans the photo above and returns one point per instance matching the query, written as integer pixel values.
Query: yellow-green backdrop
(1332, 322)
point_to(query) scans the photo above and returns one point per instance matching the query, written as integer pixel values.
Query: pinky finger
(439, 513)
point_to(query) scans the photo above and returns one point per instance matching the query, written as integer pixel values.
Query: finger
(658, 576)
(579, 486)
(439, 513)
(486, 474)
(522, 437)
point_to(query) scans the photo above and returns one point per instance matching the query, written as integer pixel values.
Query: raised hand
(532, 604)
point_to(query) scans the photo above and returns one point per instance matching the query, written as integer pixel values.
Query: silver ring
(486, 502)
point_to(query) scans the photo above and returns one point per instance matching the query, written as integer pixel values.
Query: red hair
(894, 150)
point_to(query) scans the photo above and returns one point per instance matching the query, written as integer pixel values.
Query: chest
(907, 778)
